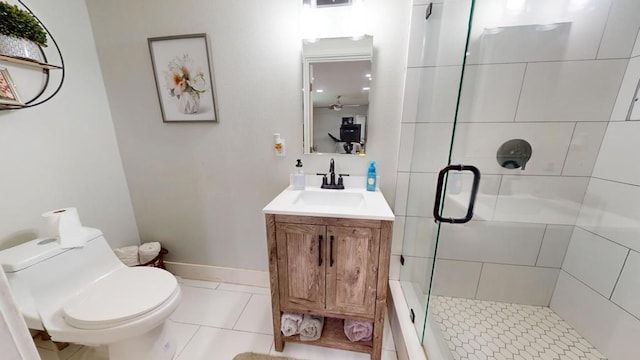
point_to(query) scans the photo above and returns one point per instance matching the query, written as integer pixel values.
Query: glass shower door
(522, 90)
(434, 74)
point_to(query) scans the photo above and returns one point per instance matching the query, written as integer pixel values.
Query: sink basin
(353, 203)
(337, 198)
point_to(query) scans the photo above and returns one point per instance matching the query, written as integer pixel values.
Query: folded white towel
(290, 323)
(128, 255)
(148, 251)
(358, 330)
(311, 327)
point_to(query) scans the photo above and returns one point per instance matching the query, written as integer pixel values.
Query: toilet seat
(120, 297)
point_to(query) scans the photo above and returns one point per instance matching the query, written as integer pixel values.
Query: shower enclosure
(538, 95)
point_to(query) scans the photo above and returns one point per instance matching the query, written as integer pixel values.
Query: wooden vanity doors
(328, 268)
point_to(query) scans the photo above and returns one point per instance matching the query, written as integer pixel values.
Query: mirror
(336, 84)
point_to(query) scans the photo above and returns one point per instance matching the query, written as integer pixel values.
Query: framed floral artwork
(8, 93)
(184, 78)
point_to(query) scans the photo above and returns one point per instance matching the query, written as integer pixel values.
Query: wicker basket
(157, 261)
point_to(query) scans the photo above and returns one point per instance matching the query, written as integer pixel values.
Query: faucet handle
(324, 179)
(340, 181)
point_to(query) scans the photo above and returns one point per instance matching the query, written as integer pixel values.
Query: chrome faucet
(332, 174)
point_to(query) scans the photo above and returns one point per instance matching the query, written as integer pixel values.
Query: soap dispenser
(371, 177)
(298, 177)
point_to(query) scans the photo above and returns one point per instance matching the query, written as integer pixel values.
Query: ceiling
(344, 78)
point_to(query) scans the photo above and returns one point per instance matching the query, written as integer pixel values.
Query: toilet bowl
(88, 296)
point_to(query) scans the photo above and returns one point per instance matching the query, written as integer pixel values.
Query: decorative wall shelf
(29, 62)
(42, 67)
(47, 88)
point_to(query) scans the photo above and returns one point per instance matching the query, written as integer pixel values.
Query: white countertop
(313, 201)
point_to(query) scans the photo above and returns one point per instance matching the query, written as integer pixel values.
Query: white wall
(64, 153)
(200, 188)
(554, 88)
(598, 290)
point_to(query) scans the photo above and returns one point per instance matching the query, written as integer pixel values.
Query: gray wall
(64, 153)
(200, 188)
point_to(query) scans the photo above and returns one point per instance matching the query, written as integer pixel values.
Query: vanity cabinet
(334, 267)
(329, 268)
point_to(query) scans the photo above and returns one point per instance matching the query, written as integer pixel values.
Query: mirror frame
(328, 50)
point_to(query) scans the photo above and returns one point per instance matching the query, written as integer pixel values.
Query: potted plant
(20, 33)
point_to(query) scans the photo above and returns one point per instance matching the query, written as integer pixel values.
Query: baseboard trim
(220, 274)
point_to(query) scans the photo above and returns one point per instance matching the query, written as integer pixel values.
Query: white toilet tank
(41, 267)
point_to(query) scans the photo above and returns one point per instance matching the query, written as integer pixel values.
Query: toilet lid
(122, 295)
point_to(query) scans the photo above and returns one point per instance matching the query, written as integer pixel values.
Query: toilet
(87, 296)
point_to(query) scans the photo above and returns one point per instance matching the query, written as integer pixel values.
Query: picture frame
(184, 78)
(8, 93)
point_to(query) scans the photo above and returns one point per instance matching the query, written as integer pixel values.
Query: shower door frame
(439, 204)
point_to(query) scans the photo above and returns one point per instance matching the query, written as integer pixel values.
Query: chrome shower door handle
(437, 208)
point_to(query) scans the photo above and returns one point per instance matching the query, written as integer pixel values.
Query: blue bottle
(371, 177)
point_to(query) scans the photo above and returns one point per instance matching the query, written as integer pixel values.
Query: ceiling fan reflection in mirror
(337, 106)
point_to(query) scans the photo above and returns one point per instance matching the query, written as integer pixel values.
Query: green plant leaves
(20, 23)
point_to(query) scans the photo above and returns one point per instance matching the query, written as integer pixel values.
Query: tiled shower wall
(554, 86)
(598, 290)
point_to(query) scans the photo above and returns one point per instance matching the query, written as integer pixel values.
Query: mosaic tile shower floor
(483, 330)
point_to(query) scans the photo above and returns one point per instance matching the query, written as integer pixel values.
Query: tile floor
(217, 321)
(479, 330)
